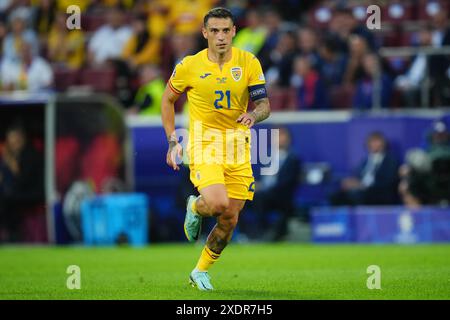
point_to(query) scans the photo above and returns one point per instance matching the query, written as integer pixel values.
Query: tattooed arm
(261, 112)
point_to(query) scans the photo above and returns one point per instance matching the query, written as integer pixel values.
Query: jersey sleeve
(178, 81)
(256, 75)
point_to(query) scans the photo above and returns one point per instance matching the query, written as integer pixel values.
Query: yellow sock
(207, 259)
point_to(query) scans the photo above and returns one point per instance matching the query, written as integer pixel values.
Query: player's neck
(218, 58)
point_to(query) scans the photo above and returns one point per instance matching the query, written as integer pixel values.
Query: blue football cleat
(201, 280)
(192, 221)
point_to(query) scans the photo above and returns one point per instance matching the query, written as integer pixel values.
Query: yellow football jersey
(217, 97)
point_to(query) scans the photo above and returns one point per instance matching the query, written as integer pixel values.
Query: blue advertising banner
(332, 224)
(115, 219)
(381, 225)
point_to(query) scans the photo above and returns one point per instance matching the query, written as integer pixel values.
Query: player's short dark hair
(218, 12)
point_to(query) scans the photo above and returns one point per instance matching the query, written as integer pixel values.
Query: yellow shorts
(214, 163)
(238, 179)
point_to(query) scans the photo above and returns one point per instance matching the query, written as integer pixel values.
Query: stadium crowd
(316, 54)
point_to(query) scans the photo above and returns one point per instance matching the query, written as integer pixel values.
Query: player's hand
(247, 119)
(175, 149)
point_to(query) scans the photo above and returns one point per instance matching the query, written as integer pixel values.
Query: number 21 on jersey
(219, 97)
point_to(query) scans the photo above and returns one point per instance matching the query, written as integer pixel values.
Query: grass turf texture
(263, 271)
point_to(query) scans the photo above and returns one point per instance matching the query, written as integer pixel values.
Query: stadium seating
(426, 9)
(91, 22)
(65, 78)
(341, 96)
(397, 12)
(319, 17)
(100, 80)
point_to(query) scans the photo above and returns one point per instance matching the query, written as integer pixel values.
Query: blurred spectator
(409, 84)
(311, 91)
(425, 175)
(439, 141)
(415, 184)
(148, 97)
(441, 29)
(237, 8)
(358, 48)
(186, 16)
(19, 33)
(21, 181)
(375, 180)
(65, 47)
(440, 64)
(44, 17)
(141, 48)
(123, 4)
(333, 63)
(182, 45)
(343, 24)
(157, 17)
(273, 23)
(365, 87)
(82, 4)
(5, 6)
(252, 37)
(3, 33)
(439, 152)
(281, 59)
(308, 45)
(109, 41)
(276, 192)
(30, 73)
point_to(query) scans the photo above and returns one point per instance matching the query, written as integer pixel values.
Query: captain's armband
(257, 92)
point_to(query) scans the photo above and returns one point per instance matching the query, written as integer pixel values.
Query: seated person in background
(276, 192)
(141, 48)
(365, 87)
(375, 180)
(21, 181)
(65, 47)
(420, 182)
(148, 97)
(31, 73)
(439, 141)
(311, 91)
(414, 187)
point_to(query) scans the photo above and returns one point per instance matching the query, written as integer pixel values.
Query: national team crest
(236, 73)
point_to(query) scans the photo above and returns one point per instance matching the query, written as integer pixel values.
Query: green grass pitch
(247, 272)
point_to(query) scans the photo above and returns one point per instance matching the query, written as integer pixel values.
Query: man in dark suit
(375, 180)
(276, 192)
